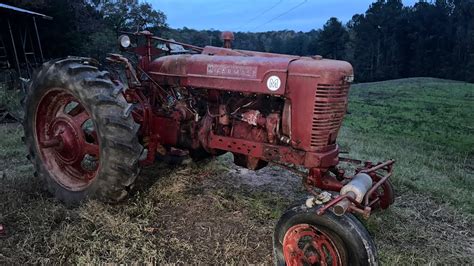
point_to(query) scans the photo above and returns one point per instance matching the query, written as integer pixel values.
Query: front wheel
(302, 237)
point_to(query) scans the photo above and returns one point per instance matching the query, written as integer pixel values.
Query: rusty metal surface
(230, 73)
(348, 202)
(71, 152)
(262, 107)
(227, 37)
(305, 244)
(301, 131)
(318, 88)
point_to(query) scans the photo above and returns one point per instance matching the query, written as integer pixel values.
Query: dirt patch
(272, 179)
(212, 213)
(209, 230)
(418, 230)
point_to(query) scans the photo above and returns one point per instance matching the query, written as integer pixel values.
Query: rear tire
(113, 132)
(344, 237)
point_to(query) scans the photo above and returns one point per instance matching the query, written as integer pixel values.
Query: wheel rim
(306, 245)
(384, 193)
(66, 139)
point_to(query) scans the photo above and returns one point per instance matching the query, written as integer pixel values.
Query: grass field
(218, 213)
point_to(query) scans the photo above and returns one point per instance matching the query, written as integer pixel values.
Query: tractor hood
(244, 71)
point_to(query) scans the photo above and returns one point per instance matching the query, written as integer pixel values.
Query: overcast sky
(255, 15)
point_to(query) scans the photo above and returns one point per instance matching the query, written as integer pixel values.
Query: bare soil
(209, 213)
(216, 213)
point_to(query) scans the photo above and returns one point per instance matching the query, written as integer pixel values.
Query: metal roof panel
(24, 11)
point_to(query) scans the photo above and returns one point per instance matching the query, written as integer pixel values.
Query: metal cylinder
(227, 37)
(359, 185)
(341, 207)
(356, 189)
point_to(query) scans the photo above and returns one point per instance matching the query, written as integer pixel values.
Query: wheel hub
(69, 151)
(306, 245)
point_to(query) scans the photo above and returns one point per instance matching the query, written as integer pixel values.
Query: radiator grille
(330, 106)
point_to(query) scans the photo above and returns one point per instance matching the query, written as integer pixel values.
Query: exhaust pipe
(356, 189)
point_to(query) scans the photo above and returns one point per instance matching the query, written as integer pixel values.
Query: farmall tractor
(88, 133)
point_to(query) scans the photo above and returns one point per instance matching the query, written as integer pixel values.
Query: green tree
(130, 15)
(333, 39)
(462, 29)
(378, 45)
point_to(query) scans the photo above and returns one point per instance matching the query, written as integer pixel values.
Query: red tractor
(88, 133)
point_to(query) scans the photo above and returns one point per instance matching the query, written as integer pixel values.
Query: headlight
(124, 41)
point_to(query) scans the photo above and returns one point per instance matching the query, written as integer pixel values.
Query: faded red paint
(243, 74)
(63, 143)
(227, 37)
(262, 107)
(304, 244)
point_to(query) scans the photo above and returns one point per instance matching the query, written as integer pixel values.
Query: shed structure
(20, 44)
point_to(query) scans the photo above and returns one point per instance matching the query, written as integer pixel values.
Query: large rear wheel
(304, 238)
(80, 134)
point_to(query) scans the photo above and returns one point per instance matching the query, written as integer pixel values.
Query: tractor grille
(329, 109)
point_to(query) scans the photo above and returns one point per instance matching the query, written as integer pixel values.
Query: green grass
(11, 99)
(423, 110)
(209, 214)
(426, 125)
(11, 143)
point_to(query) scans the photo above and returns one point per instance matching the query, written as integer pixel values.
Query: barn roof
(24, 11)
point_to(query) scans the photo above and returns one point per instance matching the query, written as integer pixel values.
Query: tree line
(388, 41)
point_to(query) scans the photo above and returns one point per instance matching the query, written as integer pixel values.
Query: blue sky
(255, 15)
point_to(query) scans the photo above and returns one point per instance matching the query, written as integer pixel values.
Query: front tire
(80, 134)
(302, 237)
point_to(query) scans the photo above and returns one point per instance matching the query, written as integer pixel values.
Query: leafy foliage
(333, 39)
(388, 41)
(129, 14)
(429, 39)
(89, 27)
